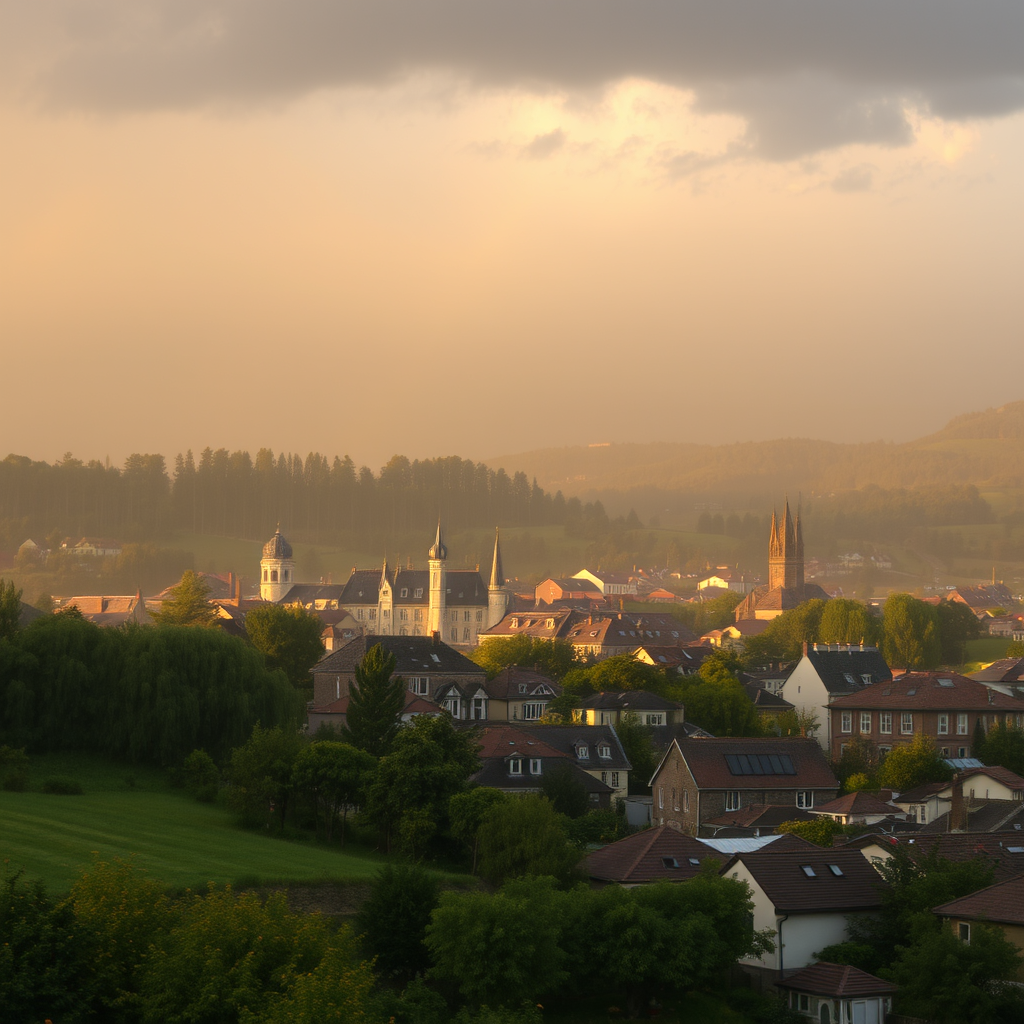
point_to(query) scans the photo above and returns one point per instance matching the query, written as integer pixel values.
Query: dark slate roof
(761, 816)
(27, 614)
(1004, 851)
(463, 587)
(712, 764)
(308, 593)
(792, 891)
(508, 683)
(836, 980)
(654, 855)
(765, 700)
(663, 735)
(856, 803)
(919, 794)
(983, 816)
(535, 623)
(1002, 903)
(569, 738)
(495, 774)
(415, 655)
(842, 671)
(1006, 670)
(930, 691)
(629, 700)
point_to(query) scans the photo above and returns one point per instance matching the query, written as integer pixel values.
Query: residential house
(703, 779)
(1000, 905)
(806, 899)
(335, 714)
(838, 994)
(655, 855)
(983, 598)
(754, 820)
(519, 694)
(337, 634)
(594, 748)
(554, 591)
(943, 706)
(1002, 851)
(725, 578)
(859, 809)
(685, 660)
(516, 761)
(92, 547)
(611, 584)
(539, 624)
(611, 707)
(767, 704)
(731, 637)
(425, 663)
(603, 636)
(828, 671)
(111, 610)
(932, 800)
(1005, 675)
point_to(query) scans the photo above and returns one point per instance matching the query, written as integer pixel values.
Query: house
(611, 707)
(805, 898)
(828, 671)
(731, 637)
(1000, 905)
(337, 634)
(983, 598)
(603, 636)
(1002, 851)
(92, 547)
(685, 660)
(725, 578)
(654, 855)
(108, 610)
(767, 704)
(594, 748)
(617, 584)
(552, 591)
(540, 624)
(519, 694)
(838, 994)
(943, 706)
(516, 761)
(426, 664)
(702, 779)
(932, 800)
(1005, 675)
(754, 820)
(335, 714)
(859, 809)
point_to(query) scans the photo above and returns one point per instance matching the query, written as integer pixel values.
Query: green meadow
(132, 812)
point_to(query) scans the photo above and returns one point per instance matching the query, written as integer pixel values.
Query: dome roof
(277, 547)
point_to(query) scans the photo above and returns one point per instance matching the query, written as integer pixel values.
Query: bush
(200, 776)
(13, 769)
(61, 785)
(15, 781)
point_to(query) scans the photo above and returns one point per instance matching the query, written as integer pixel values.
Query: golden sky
(457, 227)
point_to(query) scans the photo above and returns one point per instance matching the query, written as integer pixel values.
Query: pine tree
(188, 605)
(376, 700)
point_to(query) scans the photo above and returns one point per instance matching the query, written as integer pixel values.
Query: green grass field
(132, 812)
(984, 651)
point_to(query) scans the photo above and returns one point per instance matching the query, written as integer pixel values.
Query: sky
(480, 227)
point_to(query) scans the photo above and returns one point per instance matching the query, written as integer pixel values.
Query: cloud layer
(807, 75)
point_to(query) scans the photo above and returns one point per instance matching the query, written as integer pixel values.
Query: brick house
(943, 706)
(703, 779)
(593, 748)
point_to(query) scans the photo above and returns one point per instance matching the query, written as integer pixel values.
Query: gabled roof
(997, 773)
(414, 655)
(983, 816)
(654, 855)
(764, 816)
(506, 685)
(857, 803)
(544, 624)
(1002, 903)
(842, 669)
(629, 700)
(765, 700)
(572, 738)
(938, 691)
(1003, 850)
(745, 763)
(504, 740)
(1006, 670)
(836, 980)
(842, 879)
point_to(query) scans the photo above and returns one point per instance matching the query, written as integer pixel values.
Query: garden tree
(261, 775)
(978, 740)
(44, 603)
(13, 768)
(911, 636)
(639, 750)
(526, 837)
(288, 637)
(466, 812)
(848, 622)
(666, 936)
(201, 777)
(375, 703)
(229, 957)
(393, 921)
(913, 764)
(408, 797)
(624, 672)
(859, 757)
(576, 683)
(559, 709)
(334, 777)
(858, 783)
(784, 637)
(10, 608)
(552, 658)
(1003, 746)
(188, 604)
(957, 625)
(945, 980)
(793, 722)
(820, 831)
(715, 699)
(565, 790)
(500, 948)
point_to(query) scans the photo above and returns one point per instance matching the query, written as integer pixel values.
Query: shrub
(61, 785)
(200, 776)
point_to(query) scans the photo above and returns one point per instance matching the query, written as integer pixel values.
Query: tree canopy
(288, 637)
(375, 702)
(188, 604)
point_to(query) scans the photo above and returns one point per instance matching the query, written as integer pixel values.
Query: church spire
(497, 574)
(438, 551)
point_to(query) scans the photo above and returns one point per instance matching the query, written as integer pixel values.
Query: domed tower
(497, 595)
(437, 556)
(277, 568)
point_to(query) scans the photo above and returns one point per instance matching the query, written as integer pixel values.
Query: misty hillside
(981, 448)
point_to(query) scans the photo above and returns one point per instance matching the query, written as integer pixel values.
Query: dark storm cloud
(807, 74)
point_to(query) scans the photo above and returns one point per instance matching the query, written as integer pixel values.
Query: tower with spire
(437, 558)
(786, 552)
(497, 593)
(277, 568)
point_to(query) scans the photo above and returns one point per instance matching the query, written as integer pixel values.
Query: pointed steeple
(438, 552)
(384, 577)
(773, 539)
(497, 574)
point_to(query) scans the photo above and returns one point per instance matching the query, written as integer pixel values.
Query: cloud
(854, 179)
(807, 75)
(545, 145)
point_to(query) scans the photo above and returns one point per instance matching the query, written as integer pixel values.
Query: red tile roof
(931, 691)
(708, 761)
(836, 980)
(1002, 903)
(500, 741)
(857, 803)
(654, 855)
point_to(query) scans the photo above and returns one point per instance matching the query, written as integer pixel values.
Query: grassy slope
(178, 841)
(984, 651)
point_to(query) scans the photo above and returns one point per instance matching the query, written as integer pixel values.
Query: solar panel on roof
(760, 764)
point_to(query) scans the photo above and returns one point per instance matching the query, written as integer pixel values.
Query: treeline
(146, 694)
(234, 494)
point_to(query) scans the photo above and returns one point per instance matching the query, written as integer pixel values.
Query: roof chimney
(435, 637)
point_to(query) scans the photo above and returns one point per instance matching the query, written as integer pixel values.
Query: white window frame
(732, 800)
(661, 798)
(478, 709)
(961, 723)
(515, 766)
(535, 768)
(865, 721)
(604, 750)
(615, 780)
(885, 722)
(805, 799)
(657, 718)
(453, 705)
(846, 721)
(582, 752)
(943, 724)
(420, 685)
(533, 711)
(906, 723)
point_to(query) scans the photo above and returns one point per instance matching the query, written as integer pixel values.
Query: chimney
(957, 811)
(435, 637)
(805, 648)
(238, 591)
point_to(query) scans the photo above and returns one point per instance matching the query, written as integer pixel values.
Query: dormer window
(583, 752)
(523, 687)
(604, 750)
(404, 592)
(418, 592)
(514, 623)
(535, 766)
(515, 766)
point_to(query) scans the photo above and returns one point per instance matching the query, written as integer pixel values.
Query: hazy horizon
(478, 228)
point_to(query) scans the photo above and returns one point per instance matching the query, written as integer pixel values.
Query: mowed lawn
(127, 812)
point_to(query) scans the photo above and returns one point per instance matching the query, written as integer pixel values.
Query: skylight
(945, 682)
(808, 870)
(670, 862)
(836, 870)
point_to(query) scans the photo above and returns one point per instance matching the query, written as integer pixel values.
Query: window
(865, 721)
(943, 724)
(882, 751)
(661, 797)
(372, 614)
(606, 718)
(808, 871)
(732, 800)
(582, 751)
(658, 719)
(670, 862)
(531, 712)
(404, 592)
(478, 709)
(961, 724)
(846, 721)
(963, 929)
(686, 801)
(385, 613)
(535, 766)
(885, 721)
(604, 750)
(805, 799)
(907, 722)
(961, 751)
(604, 778)
(480, 615)
(515, 766)
(453, 705)
(465, 615)
(804, 1002)
(403, 614)
(264, 575)
(675, 799)
(836, 870)
(614, 780)
(418, 592)
(273, 575)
